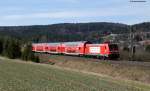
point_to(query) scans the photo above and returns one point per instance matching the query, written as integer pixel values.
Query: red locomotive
(81, 48)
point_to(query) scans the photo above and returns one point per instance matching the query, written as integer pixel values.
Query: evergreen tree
(11, 48)
(148, 48)
(5, 46)
(27, 54)
(1, 46)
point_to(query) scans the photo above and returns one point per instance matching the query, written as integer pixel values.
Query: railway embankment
(128, 70)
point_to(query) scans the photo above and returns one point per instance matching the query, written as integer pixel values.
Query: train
(79, 48)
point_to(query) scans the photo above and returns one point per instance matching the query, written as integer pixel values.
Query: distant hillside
(67, 31)
(143, 26)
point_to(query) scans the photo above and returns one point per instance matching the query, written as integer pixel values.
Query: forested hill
(143, 26)
(67, 31)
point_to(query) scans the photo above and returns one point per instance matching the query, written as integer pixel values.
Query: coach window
(46, 48)
(79, 48)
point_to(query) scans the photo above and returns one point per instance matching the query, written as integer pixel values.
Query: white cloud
(78, 14)
(66, 14)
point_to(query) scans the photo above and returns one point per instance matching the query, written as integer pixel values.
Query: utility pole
(132, 29)
(131, 43)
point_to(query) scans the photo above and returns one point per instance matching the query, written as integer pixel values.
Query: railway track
(76, 58)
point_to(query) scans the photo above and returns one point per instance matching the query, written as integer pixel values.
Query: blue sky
(41, 12)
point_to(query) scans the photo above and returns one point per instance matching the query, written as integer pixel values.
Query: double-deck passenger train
(81, 48)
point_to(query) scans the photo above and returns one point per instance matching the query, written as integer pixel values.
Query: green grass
(21, 76)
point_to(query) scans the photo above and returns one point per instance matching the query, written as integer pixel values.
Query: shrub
(147, 48)
(124, 55)
(28, 55)
(126, 49)
(1, 46)
(142, 56)
(36, 59)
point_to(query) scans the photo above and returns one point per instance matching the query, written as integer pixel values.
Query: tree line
(69, 31)
(15, 49)
(63, 32)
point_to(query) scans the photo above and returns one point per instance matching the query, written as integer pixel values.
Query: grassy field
(25, 76)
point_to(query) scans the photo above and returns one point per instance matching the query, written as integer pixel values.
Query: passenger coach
(81, 48)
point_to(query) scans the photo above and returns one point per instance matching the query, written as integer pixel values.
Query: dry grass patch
(117, 69)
